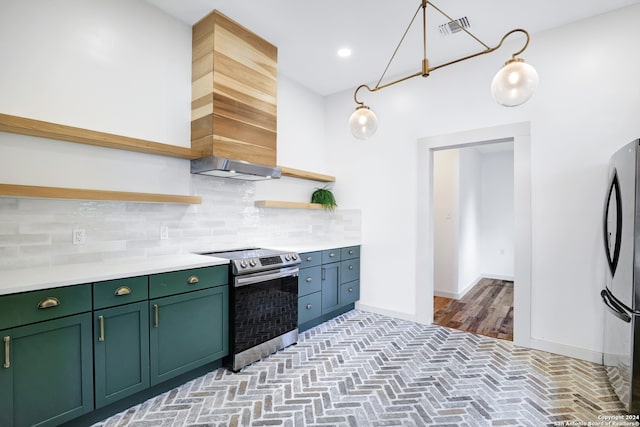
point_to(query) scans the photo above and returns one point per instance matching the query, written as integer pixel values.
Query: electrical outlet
(78, 236)
(164, 233)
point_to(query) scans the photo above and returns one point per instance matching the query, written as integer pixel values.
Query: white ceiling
(308, 34)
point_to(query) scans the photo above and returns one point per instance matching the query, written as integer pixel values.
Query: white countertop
(312, 247)
(36, 278)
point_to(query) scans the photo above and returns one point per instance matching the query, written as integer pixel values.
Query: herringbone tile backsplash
(364, 369)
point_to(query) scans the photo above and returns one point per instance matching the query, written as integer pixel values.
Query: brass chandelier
(513, 85)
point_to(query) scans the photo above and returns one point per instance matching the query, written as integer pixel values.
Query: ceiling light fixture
(513, 85)
(344, 52)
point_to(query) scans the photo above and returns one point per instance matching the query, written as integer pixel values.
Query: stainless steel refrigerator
(621, 295)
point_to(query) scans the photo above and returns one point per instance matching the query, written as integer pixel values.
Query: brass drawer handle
(350, 289)
(350, 251)
(48, 303)
(351, 267)
(123, 290)
(101, 320)
(331, 255)
(7, 348)
(155, 316)
(308, 258)
(309, 279)
(308, 306)
(193, 280)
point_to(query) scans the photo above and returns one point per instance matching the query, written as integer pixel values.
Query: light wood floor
(487, 309)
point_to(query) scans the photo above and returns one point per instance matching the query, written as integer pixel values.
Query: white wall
(469, 254)
(124, 67)
(578, 118)
(497, 215)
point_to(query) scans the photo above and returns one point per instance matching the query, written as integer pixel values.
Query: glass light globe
(363, 122)
(515, 83)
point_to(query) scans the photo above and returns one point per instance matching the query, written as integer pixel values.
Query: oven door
(264, 307)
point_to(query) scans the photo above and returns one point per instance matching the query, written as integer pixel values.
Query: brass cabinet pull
(350, 251)
(193, 280)
(122, 290)
(308, 306)
(331, 255)
(308, 258)
(350, 289)
(155, 315)
(101, 320)
(7, 348)
(351, 267)
(309, 279)
(48, 303)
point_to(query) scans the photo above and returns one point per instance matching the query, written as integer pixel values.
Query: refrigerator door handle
(614, 192)
(614, 307)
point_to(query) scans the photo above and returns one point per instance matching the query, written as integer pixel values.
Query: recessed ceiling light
(344, 52)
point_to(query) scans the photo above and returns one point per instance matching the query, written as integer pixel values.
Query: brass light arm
(426, 70)
(489, 50)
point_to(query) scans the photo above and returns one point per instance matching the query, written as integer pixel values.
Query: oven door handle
(263, 277)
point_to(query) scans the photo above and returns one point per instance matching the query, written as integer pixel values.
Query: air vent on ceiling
(455, 26)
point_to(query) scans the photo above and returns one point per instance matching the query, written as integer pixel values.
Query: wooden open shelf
(286, 205)
(77, 193)
(31, 127)
(297, 173)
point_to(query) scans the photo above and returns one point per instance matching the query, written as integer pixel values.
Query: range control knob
(252, 263)
(294, 256)
(243, 264)
(287, 257)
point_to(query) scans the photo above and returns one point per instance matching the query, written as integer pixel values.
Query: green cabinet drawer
(177, 282)
(309, 307)
(121, 291)
(309, 280)
(310, 259)
(37, 306)
(349, 292)
(330, 255)
(349, 270)
(350, 252)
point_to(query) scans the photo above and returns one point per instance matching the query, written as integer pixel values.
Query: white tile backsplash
(37, 232)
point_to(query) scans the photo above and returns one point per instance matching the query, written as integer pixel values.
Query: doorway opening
(520, 135)
(474, 238)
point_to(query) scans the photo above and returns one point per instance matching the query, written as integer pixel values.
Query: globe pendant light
(515, 83)
(363, 122)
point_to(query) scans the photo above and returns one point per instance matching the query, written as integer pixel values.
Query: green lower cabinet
(121, 351)
(349, 292)
(187, 331)
(309, 307)
(46, 376)
(330, 287)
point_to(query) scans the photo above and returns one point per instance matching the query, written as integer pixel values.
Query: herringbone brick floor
(364, 369)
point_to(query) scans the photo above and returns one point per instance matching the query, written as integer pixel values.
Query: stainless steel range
(263, 305)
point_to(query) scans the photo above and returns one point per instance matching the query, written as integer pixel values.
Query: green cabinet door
(330, 287)
(46, 375)
(121, 351)
(187, 331)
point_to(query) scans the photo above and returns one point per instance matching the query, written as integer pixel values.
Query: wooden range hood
(234, 93)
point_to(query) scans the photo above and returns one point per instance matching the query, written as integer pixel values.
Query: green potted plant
(324, 196)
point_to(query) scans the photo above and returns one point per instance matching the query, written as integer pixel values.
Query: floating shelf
(77, 193)
(297, 173)
(286, 205)
(31, 127)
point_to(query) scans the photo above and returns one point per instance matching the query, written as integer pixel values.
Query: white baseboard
(385, 312)
(566, 350)
(470, 286)
(536, 344)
